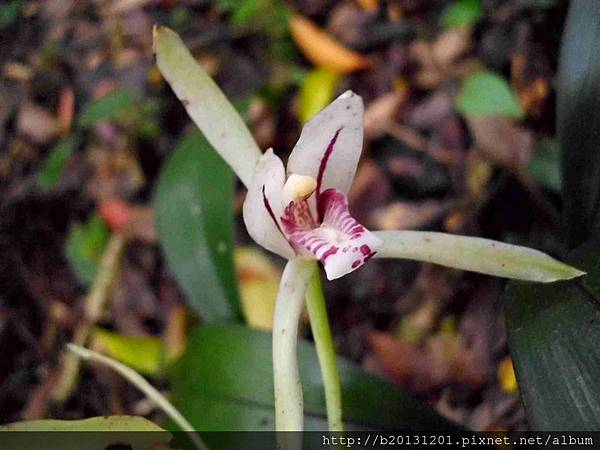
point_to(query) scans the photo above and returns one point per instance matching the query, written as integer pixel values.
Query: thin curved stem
(147, 389)
(319, 322)
(289, 415)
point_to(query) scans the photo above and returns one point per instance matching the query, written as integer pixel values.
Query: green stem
(317, 311)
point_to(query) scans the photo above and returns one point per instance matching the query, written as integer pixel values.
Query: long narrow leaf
(232, 387)
(554, 340)
(194, 219)
(578, 120)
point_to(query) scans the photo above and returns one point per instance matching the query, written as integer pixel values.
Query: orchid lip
(338, 241)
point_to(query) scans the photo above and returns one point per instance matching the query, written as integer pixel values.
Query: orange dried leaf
(322, 50)
(506, 376)
(115, 213)
(259, 283)
(175, 336)
(369, 5)
(66, 109)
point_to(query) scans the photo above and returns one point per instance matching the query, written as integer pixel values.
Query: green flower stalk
(300, 212)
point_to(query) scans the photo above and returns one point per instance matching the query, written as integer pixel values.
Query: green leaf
(462, 13)
(578, 121)
(107, 107)
(10, 12)
(194, 219)
(245, 11)
(144, 354)
(96, 433)
(318, 90)
(232, 387)
(554, 337)
(485, 94)
(544, 167)
(55, 162)
(84, 246)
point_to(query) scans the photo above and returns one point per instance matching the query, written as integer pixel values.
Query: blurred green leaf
(10, 12)
(232, 387)
(578, 121)
(84, 247)
(485, 94)
(55, 162)
(96, 433)
(194, 219)
(318, 90)
(544, 166)
(144, 354)
(462, 13)
(554, 340)
(245, 11)
(107, 107)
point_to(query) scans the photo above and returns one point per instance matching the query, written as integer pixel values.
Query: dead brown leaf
(37, 123)
(381, 112)
(409, 215)
(443, 359)
(502, 141)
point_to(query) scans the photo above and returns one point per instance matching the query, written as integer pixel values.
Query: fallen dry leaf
(323, 50)
(115, 213)
(502, 141)
(506, 376)
(439, 59)
(381, 112)
(66, 111)
(450, 46)
(368, 5)
(443, 359)
(37, 123)
(479, 172)
(175, 334)
(259, 283)
(116, 7)
(409, 215)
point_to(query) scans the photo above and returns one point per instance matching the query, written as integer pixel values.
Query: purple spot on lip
(356, 263)
(331, 251)
(369, 256)
(365, 249)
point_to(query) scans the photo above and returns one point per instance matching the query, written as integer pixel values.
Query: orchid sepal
(206, 104)
(475, 254)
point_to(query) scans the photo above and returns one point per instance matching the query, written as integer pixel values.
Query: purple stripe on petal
(323, 166)
(272, 214)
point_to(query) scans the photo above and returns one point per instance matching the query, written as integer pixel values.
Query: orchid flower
(301, 212)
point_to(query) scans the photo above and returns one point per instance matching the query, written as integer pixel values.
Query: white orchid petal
(263, 207)
(206, 104)
(475, 254)
(330, 144)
